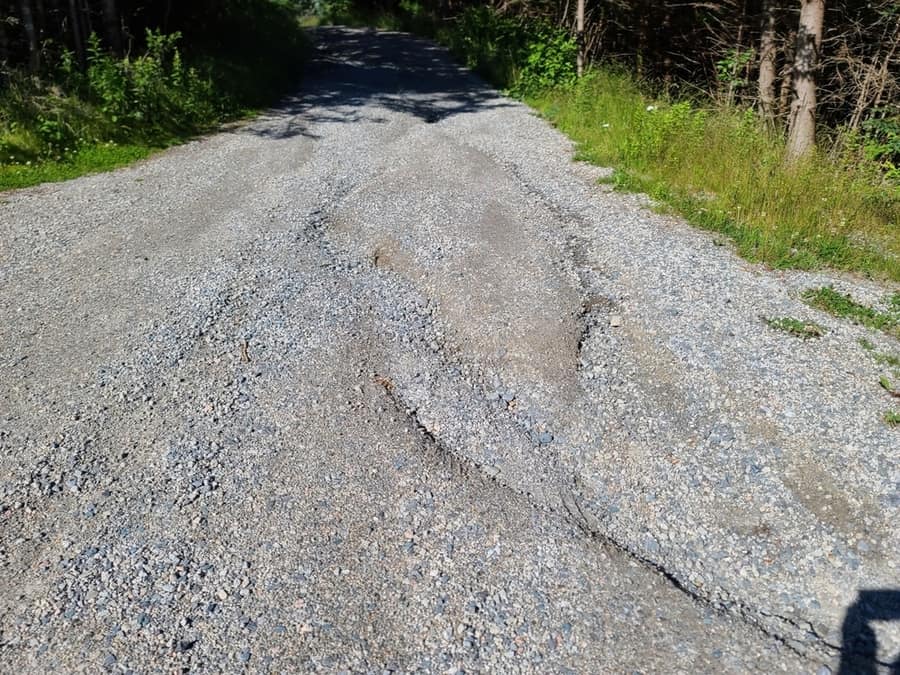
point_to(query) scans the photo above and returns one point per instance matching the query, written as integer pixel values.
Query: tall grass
(726, 172)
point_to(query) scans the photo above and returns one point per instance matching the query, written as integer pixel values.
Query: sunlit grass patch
(91, 159)
(723, 171)
(844, 306)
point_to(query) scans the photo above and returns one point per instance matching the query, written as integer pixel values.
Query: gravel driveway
(384, 382)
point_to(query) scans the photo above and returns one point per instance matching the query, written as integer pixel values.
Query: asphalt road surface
(382, 381)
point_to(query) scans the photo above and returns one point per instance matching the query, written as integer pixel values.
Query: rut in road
(242, 377)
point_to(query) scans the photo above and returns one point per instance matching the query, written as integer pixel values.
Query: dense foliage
(527, 55)
(108, 79)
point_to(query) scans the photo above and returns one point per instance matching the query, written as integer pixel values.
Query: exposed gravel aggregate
(383, 382)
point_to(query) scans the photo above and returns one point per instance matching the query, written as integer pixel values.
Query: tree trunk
(77, 35)
(734, 80)
(643, 39)
(112, 25)
(34, 47)
(40, 20)
(87, 25)
(876, 79)
(664, 35)
(4, 40)
(768, 55)
(802, 136)
(786, 87)
(579, 35)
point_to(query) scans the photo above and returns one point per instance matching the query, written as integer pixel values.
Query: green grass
(888, 386)
(91, 159)
(844, 306)
(723, 171)
(801, 329)
(882, 358)
(892, 418)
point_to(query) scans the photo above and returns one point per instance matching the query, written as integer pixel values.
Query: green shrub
(153, 94)
(120, 108)
(882, 143)
(518, 54)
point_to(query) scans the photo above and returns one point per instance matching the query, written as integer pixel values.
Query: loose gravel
(383, 382)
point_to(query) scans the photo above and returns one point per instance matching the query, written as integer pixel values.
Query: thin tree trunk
(787, 79)
(883, 76)
(665, 33)
(34, 47)
(86, 24)
(768, 55)
(112, 25)
(802, 134)
(733, 80)
(579, 35)
(4, 41)
(40, 20)
(643, 39)
(77, 35)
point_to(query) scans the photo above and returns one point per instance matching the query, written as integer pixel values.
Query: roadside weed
(844, 306)
(888, 387)
(801, 329)
(723, 171)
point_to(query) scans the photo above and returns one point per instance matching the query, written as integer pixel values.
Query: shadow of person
(859, 644)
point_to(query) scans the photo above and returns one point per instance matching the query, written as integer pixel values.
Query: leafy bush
(79, 116)
(152, 97)
(882, 144)
(152, 94)
(512, 52)
(549, 60)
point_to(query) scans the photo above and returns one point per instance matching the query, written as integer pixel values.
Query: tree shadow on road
(356, 72)
(859, 645)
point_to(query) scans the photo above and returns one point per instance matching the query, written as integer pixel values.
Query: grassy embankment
(723, 171)
(74, 120)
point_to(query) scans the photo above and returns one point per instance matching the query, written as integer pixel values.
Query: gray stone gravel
(383, 382)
